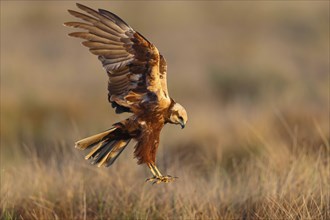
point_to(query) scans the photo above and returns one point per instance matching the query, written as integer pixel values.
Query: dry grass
(279, 184)
(256, 87)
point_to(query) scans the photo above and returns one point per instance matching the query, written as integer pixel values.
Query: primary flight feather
(137, 84)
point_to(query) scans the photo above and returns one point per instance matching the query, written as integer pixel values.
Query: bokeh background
(253, 76)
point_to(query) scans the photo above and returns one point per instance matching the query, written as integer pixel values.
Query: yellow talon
(157, 176)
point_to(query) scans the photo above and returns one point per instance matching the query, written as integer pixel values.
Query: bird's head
(178, 115)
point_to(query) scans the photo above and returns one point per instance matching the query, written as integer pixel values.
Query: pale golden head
(178, 115)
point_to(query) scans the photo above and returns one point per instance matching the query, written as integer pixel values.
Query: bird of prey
(137, 84)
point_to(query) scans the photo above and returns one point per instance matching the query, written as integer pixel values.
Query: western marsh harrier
(137, 84)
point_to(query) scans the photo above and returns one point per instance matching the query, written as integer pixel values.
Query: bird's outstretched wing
(136, 70)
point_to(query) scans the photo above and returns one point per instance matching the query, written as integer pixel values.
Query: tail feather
(95, 150)
(105, 147)
(90, 141)
(114, 153)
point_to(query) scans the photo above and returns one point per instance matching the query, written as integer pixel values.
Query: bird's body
(137, 84)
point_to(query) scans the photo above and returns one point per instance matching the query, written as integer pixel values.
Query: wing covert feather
(136, 70)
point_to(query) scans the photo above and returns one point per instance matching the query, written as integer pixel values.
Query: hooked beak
(182, 125)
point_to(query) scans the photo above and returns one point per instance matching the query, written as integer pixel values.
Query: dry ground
(254, 77)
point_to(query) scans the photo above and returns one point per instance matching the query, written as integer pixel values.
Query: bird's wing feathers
(163, 75)
(136, 70)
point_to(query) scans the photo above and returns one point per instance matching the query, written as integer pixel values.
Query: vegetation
(253, 76)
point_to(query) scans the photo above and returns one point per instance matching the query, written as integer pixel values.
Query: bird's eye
(180, 118)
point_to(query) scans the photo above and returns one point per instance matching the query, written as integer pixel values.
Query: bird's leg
(154, 173)
(152, 169)
(158, 177)
(155, 177)
(156, 170)
(161, 178)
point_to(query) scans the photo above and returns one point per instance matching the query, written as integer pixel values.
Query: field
(253, 76)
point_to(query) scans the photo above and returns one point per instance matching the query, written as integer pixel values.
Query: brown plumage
(137, 84)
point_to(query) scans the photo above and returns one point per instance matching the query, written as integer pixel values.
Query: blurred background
(253, 76)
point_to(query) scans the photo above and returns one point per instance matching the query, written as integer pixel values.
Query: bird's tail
(105, 147)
